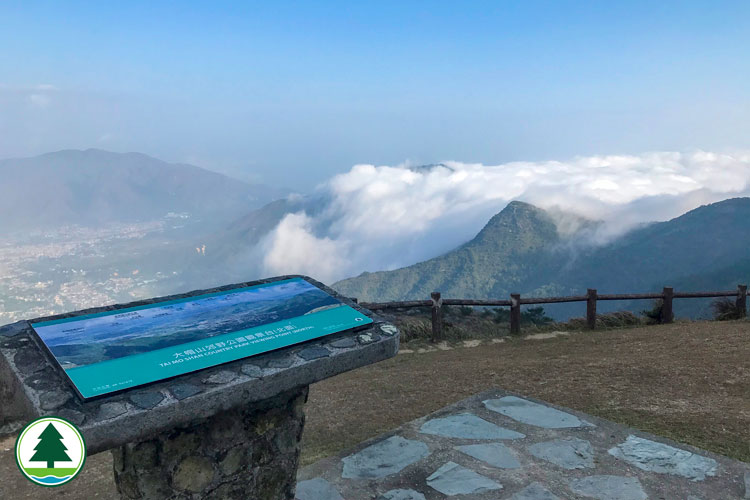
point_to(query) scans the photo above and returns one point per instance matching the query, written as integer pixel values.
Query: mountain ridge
(532, 230)
(510, 257)
(94, 187)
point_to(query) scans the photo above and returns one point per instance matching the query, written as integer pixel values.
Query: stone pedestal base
(246, 453)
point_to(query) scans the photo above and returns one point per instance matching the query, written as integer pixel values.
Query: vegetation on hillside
(468, 323)
(655, 313)
(520, 250)
(725, 309)
(509, 252)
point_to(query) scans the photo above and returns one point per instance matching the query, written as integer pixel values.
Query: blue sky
(291, 94)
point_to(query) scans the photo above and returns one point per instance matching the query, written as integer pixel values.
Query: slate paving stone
(54, 399)
(222, 377)
(253, 371)
(532, 413)
(467, 426)
(315, 352)
(73, 416)
(453, 479)
(112, 410)
(29, 362)
(43, 380)
(283, 362)
(609, 488)
(535, 491)
(570, 453)
(13, 328)
(147, 400)
(367, 338)
(345, 343)
(183, 391)
(388, 330)
(658, 457)
(317, 489)
(401, 495)
(384, 458)
(496, 454)
(558, 460)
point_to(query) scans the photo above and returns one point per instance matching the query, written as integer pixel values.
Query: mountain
(95, 187)
(228, 250)
(246, 231)
(697, 244)
(705, 249)
(511, 253)
(521, 250)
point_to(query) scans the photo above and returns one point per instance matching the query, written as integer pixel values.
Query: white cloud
(386, 217)
(292, 249)
(40, 100)
(40, 96)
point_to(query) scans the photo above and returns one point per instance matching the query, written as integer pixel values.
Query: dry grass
(686, 381)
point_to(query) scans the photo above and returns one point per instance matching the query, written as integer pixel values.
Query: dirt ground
(686, 381)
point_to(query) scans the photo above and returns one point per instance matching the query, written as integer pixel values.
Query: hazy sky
(294, 94)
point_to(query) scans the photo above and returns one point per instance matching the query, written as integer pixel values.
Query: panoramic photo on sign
(115, 350)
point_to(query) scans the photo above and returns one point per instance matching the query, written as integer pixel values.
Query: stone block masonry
(242, 453)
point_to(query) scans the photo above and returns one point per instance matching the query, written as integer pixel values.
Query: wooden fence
(436, 303)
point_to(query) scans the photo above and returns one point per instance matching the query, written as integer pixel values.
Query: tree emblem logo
(50, 451)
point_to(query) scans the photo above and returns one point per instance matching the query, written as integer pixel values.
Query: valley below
(73, 267)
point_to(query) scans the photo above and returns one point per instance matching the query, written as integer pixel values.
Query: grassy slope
(685, 381)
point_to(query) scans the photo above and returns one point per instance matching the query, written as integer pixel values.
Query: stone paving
(499, 445)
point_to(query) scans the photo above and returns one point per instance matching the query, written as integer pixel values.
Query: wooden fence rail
(667, 296)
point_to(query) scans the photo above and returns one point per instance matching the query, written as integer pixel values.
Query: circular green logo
(50, 451)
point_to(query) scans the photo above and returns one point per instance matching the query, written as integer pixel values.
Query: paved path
(498, 445)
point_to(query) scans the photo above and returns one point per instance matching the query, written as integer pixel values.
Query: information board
(110, 351)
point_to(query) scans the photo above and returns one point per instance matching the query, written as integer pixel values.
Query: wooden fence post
(591, 308)
(666, 307)
(515, 313)
(742, 300)
(437, 316)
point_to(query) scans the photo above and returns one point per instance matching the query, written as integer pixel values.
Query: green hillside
(510, 253)
(700, 242)
(520, 250)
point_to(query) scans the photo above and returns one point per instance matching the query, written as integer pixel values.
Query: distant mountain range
(521, 250)
(237, 237)
(95, 187)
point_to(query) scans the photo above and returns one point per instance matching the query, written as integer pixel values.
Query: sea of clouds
(385, 217)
